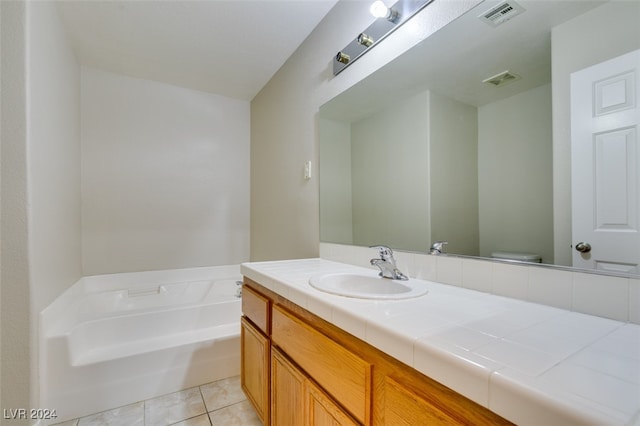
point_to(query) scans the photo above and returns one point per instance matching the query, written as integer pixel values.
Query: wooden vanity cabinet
(318, 374)
(255, 351)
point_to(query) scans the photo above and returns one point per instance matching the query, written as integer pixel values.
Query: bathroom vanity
(310, 357)
(299, 369)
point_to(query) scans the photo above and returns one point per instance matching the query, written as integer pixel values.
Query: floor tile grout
(221, 389)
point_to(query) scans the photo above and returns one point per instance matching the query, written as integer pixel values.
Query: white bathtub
(112, 340)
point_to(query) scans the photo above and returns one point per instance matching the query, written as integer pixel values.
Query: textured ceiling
(231, 48)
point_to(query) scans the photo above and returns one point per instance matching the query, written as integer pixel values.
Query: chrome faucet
(437, 247)
(387, 264)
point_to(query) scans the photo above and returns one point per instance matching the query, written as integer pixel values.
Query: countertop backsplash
(605, 296)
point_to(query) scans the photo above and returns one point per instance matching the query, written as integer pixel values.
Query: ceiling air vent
(501, 13)
(501, 79)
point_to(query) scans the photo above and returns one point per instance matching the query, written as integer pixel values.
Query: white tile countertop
(530, 363)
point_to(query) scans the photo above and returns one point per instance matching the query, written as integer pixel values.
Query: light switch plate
(307, 170)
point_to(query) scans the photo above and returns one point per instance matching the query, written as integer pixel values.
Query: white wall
(53, 157)
(390, 176)
(335, 182)
(515, 157)
(15, 311)
(53, 167)
(412, 175)
(453, 168)
(165, 182)
(577, 44)
(0, 209)
(40, 185)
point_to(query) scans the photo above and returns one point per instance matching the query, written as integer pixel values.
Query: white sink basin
(368, 286)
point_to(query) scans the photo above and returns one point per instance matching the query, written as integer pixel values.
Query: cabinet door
(344, 375)
(287, 392)
(404, 407)
(254, 371)
(322, 411)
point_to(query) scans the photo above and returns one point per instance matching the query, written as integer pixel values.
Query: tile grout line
(144, 406)
(204, 403)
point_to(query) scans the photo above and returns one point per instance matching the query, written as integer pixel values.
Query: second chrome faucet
(387, 264)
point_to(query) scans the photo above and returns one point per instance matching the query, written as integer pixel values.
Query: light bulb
(379, 10)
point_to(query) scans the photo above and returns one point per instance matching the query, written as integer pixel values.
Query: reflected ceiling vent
(505, 77)
(501, 13)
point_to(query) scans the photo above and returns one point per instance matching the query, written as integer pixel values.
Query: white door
(605, 165)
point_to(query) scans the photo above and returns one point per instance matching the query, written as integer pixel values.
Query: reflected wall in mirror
(424, 150)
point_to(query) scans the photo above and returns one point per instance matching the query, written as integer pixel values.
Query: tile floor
(220, 403)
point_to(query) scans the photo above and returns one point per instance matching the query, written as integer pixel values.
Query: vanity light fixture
(388, 20)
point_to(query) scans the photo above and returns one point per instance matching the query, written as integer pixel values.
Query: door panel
(605, 116)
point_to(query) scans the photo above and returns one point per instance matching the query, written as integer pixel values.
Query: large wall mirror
(467, 137)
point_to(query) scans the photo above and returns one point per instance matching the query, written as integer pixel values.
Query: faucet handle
(437, 246)
(384, 251)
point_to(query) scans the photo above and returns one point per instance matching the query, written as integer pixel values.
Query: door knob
(583, 247)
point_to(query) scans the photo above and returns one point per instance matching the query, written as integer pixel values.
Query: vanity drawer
(256, 307)
(344, 375)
